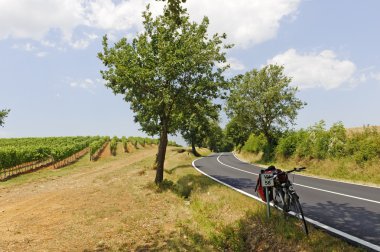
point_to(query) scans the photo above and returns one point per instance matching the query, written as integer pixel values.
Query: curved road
(348, 210)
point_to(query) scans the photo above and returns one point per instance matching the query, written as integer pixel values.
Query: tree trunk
(193, 148)
(160, 160)
(269, 152)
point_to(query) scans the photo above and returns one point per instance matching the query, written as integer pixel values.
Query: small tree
(164, 71)
(198, 125)
(264, 101)
(3, 115)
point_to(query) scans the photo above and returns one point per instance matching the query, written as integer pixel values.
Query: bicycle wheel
(278, 198)
(295, 206)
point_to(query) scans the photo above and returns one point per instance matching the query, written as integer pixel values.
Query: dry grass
(350, 131)
(112, 205)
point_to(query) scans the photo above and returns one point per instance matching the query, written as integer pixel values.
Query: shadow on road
(356, 221)
(239, 183)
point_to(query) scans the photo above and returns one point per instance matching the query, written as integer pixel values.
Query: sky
(49, 70)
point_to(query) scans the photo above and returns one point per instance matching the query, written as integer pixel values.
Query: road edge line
(327, 179)
(309, 220)
(310, 187)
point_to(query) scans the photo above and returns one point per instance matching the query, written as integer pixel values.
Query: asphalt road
(349, 210)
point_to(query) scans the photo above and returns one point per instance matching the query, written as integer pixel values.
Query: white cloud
(246, 22)
(311, 70)
(87, 84)
(375, 76)
(28, 47)
(41, 54)
(48, 43)
(234, 63)
(84, 42)
(107, 15)
(34, 19)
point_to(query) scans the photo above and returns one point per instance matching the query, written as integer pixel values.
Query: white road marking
(310, 187)
(314, 222)
(308, 176)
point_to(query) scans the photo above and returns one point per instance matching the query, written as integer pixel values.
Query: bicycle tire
(295, 206)
(277, 199)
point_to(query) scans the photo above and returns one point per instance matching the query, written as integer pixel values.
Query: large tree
(3, 115)
(263, 101)
(164, 71)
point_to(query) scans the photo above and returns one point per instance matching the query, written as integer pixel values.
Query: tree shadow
(187, 184)
(172, 170)
(187, 240)
(353, 220)
(239, 183)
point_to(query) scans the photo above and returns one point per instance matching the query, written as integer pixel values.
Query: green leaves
(165, 70)
(264, 102)
(3, 115)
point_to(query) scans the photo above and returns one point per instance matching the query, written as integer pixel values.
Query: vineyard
(20, 155)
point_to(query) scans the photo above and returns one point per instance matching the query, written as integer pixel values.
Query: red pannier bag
(260, 189)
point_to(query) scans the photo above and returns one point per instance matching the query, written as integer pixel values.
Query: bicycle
(285, 197)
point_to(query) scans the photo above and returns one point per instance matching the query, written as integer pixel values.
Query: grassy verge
(342, 169)
(221, 219)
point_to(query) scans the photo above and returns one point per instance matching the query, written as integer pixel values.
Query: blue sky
(50, 72)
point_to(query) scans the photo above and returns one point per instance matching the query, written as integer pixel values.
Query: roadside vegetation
(336, 152)
(114, 205)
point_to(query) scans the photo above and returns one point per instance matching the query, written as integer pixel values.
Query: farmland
(20, 155)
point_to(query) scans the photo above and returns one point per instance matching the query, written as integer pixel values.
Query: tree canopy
(174, 9)
(164, 71)
(3, 115)
(263, 101)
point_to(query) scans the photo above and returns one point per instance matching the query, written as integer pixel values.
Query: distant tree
(3, 115)
(198, 125)
(264, 102)
(164, 71)
(238, 132)
(217, 140)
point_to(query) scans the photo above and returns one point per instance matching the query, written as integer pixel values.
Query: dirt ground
(76, 208)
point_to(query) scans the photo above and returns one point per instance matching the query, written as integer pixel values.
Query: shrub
(256, 143)
(364, 146)
(287, 145)
(124, 142)
(338, 140)
(304, 146)
(113, 145)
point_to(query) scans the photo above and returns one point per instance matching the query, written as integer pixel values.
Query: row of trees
(171, 74)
